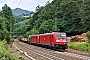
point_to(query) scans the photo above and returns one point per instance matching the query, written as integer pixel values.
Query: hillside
(70, 16)
(21, 22)
(19, 11)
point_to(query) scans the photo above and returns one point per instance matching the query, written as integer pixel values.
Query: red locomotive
(56, 40)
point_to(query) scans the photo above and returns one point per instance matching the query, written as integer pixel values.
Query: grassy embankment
(4, 53)
(83, 46)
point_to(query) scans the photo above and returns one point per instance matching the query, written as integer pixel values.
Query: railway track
(53, 55)
(42, 54)
(75, 55)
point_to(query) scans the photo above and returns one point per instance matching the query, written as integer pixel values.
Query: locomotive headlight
(57, 40)
(64, 41)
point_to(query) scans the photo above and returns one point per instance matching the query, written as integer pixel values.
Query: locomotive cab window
(60, 36)
(63, 36)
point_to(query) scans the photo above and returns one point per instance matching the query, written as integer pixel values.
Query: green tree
(85, 15)
(37, 8)
(7, 13)
(4, 34)
(88, 34)
(6, 23)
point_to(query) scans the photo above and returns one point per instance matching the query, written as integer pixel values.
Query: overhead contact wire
(19, 3)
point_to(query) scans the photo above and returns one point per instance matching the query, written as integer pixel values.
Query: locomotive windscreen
(60, 35)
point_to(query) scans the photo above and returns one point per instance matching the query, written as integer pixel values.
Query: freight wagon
(54, 40)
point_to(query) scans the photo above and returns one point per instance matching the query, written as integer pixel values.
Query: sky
(24, 4)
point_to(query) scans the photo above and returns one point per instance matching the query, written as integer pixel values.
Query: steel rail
(72, 54)
(75, 55)
(42, 54)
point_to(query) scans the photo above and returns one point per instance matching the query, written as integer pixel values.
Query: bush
(83, 46)
(4, 53)
(88, 34)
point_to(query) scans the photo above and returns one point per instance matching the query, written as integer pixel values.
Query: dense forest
(70, 16)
